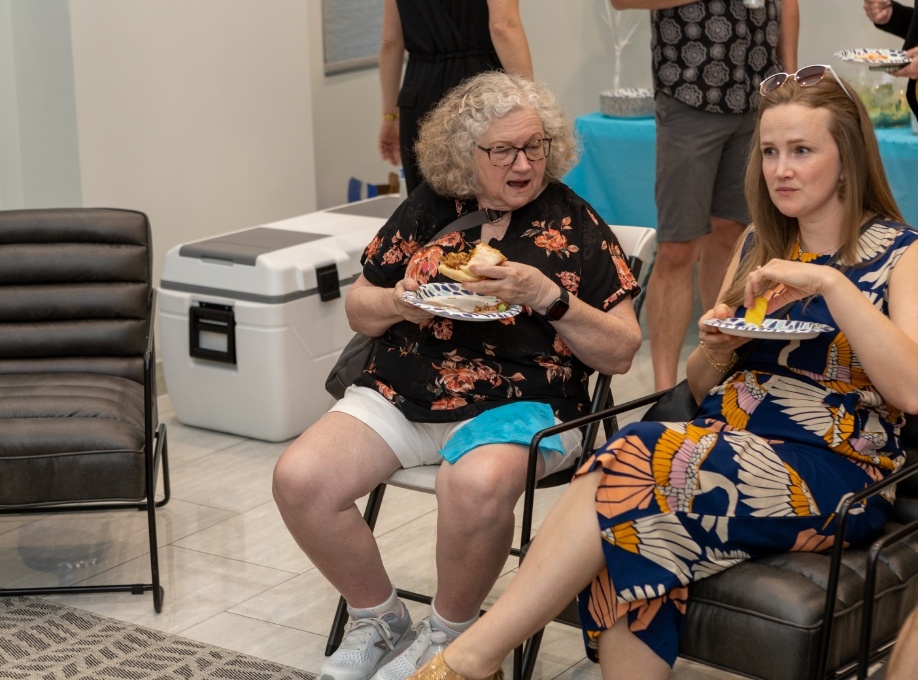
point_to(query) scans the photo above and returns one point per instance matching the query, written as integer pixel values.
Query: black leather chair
(795, 616)
(78, 419)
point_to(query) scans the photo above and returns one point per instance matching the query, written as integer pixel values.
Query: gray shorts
(421, 443)
(701, 165)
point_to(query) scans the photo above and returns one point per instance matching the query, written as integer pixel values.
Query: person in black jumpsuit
(447, 41)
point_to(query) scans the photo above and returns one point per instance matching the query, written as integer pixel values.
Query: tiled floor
(233, 576)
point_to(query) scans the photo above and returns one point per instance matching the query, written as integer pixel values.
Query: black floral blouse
(445, 370)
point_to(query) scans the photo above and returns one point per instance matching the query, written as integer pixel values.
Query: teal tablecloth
(616, 169)
(899, 149)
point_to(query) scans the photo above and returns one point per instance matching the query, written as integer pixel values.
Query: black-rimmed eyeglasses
(502, 156)
(808, 75)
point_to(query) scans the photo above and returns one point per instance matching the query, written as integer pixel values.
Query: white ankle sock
(451, 628)
(391, 606)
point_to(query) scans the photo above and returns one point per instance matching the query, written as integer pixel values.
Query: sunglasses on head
(808, 75)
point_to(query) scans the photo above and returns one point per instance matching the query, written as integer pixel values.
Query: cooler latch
(212, 333)
(327, 282)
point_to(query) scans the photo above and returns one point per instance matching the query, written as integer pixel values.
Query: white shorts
(422, 443)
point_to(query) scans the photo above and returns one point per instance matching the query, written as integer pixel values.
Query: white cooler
(252, 321)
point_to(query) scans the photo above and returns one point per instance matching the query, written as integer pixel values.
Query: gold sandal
(437, 669)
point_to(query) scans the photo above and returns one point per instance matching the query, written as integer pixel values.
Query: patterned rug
(49, 641)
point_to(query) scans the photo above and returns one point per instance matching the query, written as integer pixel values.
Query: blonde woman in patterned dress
(778, 443)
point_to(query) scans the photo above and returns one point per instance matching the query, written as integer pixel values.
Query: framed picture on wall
(351, 34)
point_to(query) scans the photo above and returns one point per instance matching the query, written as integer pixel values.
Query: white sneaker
(415, 650)
(367, 645)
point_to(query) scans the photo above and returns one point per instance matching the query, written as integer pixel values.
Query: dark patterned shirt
(445, 369)
(713, 54)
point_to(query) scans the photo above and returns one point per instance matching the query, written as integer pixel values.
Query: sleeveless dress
(447, 41)
(761, 469)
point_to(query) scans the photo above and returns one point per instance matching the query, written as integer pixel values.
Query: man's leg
(670, 306)
(688, 149)
(730, 215)
(716, 250)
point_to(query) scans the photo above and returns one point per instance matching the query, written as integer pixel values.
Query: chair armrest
(587, 449)
(870, 576)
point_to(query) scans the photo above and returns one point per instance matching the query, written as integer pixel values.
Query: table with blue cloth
(617, 165)
(616, 169)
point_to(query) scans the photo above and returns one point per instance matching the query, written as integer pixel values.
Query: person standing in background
(903, 22)
(447, 41)
(708, 61)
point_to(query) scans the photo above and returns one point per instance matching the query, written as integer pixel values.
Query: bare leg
(717, 247)
(904, 659)
(565, 556)
(475, 501)
(670, 304)
(316, 481)
(628, 657)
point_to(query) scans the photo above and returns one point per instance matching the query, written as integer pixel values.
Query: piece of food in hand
(456, 265)
(755, 315)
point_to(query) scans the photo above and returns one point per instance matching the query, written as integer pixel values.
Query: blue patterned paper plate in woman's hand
(454, 301)
(771, 329)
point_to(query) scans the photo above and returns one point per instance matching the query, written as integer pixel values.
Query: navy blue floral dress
(761, 469)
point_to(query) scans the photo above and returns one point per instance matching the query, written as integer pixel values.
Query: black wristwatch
(559, 307)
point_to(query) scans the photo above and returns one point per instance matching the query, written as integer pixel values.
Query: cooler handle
(213, 320)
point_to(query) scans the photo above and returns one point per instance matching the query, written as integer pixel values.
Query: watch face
(557, 309)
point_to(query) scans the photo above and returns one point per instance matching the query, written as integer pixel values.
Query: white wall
(198, 112)
(44, 118)
(213, 115)
(10, 154)
(346, 122)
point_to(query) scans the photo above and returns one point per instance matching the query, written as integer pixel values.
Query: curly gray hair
(449, 134)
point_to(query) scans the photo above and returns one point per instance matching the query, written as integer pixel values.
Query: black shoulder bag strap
(472, 219)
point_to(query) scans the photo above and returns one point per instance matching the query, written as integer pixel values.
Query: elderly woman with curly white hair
(453, 390)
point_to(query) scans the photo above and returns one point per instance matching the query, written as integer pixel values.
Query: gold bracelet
(721, 366)
(390, 116)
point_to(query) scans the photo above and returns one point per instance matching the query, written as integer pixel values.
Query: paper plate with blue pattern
(771, 329)
(454, 301)
(876, 59)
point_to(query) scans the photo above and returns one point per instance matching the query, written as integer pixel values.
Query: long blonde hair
(865, 189)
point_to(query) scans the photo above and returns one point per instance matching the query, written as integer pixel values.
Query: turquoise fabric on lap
(515, 423)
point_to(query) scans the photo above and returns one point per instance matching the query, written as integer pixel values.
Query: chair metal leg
(159, 454)
(337, 628)
(524, 657)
